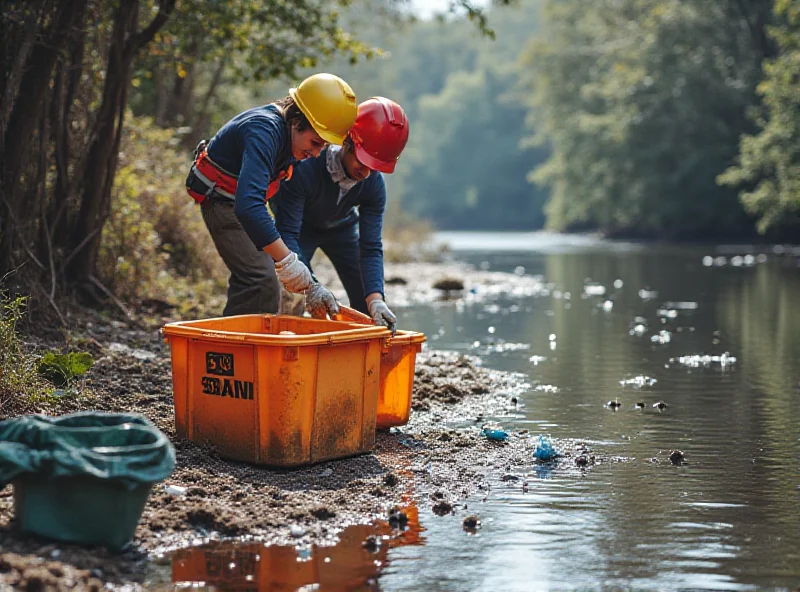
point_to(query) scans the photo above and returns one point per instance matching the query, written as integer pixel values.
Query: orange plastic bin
(397, 371)
(397, 378)
(276, 390)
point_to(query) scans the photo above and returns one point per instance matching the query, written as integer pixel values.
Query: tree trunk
(19, 133)
(103, 152)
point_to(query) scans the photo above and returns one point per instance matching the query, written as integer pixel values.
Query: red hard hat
(380, 133)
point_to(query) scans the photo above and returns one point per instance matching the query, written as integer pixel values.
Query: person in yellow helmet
(242, 166)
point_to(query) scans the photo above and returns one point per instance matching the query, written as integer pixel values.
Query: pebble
(297, 531)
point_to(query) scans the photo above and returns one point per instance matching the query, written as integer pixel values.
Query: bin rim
(355, 332)
(408, 337)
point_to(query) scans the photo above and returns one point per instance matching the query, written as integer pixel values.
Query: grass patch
(20, 382)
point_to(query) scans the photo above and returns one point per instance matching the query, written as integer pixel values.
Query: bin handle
(350, 314)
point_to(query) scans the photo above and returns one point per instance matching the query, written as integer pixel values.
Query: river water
(712, 331)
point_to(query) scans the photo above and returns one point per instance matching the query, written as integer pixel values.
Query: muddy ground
(438, 464)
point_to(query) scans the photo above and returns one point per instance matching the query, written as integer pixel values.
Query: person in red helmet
(336, 201)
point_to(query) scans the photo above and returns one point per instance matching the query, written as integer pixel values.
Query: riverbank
(438, 464)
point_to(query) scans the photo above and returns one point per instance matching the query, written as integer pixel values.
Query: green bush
(19, 381)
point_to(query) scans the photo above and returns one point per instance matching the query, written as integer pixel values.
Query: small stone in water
(471, 523)
(296, 531)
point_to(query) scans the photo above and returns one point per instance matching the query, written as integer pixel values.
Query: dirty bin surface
(276, 390)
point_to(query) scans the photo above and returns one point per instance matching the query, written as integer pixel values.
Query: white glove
(320, 302)
(293, 273)
(381, 315)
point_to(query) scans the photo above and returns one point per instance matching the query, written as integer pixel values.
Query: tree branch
(146, 35)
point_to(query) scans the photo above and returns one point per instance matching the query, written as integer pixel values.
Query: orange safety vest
(217, 180)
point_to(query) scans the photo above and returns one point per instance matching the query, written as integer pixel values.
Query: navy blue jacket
(255, 145)
(309, 199)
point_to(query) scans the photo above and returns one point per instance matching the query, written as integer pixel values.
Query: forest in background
(646, 118)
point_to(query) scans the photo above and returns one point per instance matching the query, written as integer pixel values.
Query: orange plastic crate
(261, 396)
(397, 371)
(397, 378)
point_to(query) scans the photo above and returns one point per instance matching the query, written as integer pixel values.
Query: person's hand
(320, 302)
(381, 315)
(293, 274)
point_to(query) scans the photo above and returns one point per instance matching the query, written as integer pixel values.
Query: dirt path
(427, 465)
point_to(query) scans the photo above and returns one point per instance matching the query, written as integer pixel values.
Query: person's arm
(370, 247)
(370, 244)
(291, 200)
(259, 153)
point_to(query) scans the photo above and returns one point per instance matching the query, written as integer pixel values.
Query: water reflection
(355, 563)
(729, 517)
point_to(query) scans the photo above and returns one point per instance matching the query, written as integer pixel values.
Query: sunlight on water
(711, 353)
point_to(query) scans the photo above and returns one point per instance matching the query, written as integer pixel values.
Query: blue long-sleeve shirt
(255, 145)
(311, 198)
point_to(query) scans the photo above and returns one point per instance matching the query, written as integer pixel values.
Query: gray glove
(381, 315)
(320, 302)
(293, 274)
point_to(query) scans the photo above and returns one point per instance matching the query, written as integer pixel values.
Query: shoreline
(437, 464)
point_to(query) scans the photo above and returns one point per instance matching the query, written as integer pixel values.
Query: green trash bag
(85, 477)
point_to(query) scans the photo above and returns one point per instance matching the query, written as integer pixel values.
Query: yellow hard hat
(328, 103)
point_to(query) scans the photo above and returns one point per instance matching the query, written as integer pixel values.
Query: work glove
(320, 302)
(381, 315)
(293, 274)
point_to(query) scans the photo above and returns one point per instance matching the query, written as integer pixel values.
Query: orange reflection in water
(252, 566)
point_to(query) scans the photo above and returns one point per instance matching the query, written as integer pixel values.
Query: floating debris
(544, 450)
(594, 289)
(676, 457)
(536, 360)
(638, 381)
(499, 348)
(645, 294)
(680, 305)
(547, 388)
(661, 337)
(697, 361)
(494, 432)
(638, 326)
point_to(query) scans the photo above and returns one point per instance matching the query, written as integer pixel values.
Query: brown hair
(292, 114)
(347, 145)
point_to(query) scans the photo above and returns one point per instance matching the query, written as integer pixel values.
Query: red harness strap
(216, 180)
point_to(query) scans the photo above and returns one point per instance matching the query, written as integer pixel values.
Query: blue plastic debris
(544, 450)
(495, 433)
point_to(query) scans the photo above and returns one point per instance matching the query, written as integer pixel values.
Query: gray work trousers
(253, 287)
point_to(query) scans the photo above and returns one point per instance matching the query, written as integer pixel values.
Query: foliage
(62, 369)
(155, 234)
(19, 380)
(769, 162)
(642, 103)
